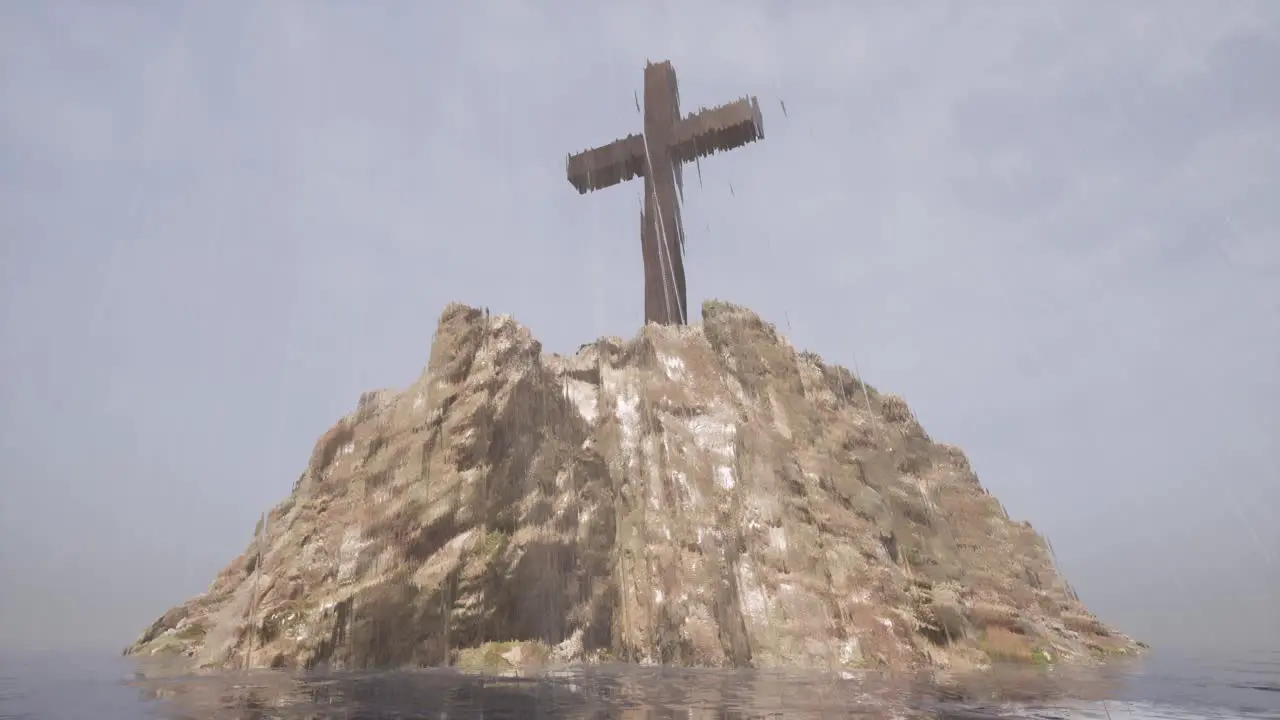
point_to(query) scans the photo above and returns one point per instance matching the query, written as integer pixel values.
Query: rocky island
(698, 496)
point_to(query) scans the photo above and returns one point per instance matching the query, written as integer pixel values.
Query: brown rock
(697, 496)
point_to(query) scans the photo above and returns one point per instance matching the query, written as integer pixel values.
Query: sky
(1051, 227)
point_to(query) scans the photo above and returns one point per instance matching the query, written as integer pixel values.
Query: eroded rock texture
(696, 496)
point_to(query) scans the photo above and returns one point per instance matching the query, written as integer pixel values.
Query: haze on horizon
(1051, 227)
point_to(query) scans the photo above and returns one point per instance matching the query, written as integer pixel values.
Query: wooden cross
(658, 154)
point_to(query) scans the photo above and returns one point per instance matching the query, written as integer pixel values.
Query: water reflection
(629, 692)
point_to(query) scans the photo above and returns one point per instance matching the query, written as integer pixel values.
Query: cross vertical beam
(661, 236)
(658, 155)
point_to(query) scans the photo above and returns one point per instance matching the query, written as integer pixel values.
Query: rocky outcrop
(698, 495)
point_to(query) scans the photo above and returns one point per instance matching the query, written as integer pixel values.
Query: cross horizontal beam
(599, 168)
(719, 129)
(706, 132)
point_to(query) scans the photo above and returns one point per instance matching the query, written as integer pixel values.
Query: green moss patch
(502, 656)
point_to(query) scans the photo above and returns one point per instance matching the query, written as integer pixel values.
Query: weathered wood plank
(719, 129)
(598, 168)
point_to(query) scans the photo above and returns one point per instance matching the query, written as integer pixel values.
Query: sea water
(63, 686)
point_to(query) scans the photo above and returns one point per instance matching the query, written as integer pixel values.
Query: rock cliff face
(696, 496)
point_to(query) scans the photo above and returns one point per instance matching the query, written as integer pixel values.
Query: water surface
(70, 687)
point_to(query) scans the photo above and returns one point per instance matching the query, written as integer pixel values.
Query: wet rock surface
(696, 496)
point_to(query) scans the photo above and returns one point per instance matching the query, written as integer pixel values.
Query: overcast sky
(1053, 228)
